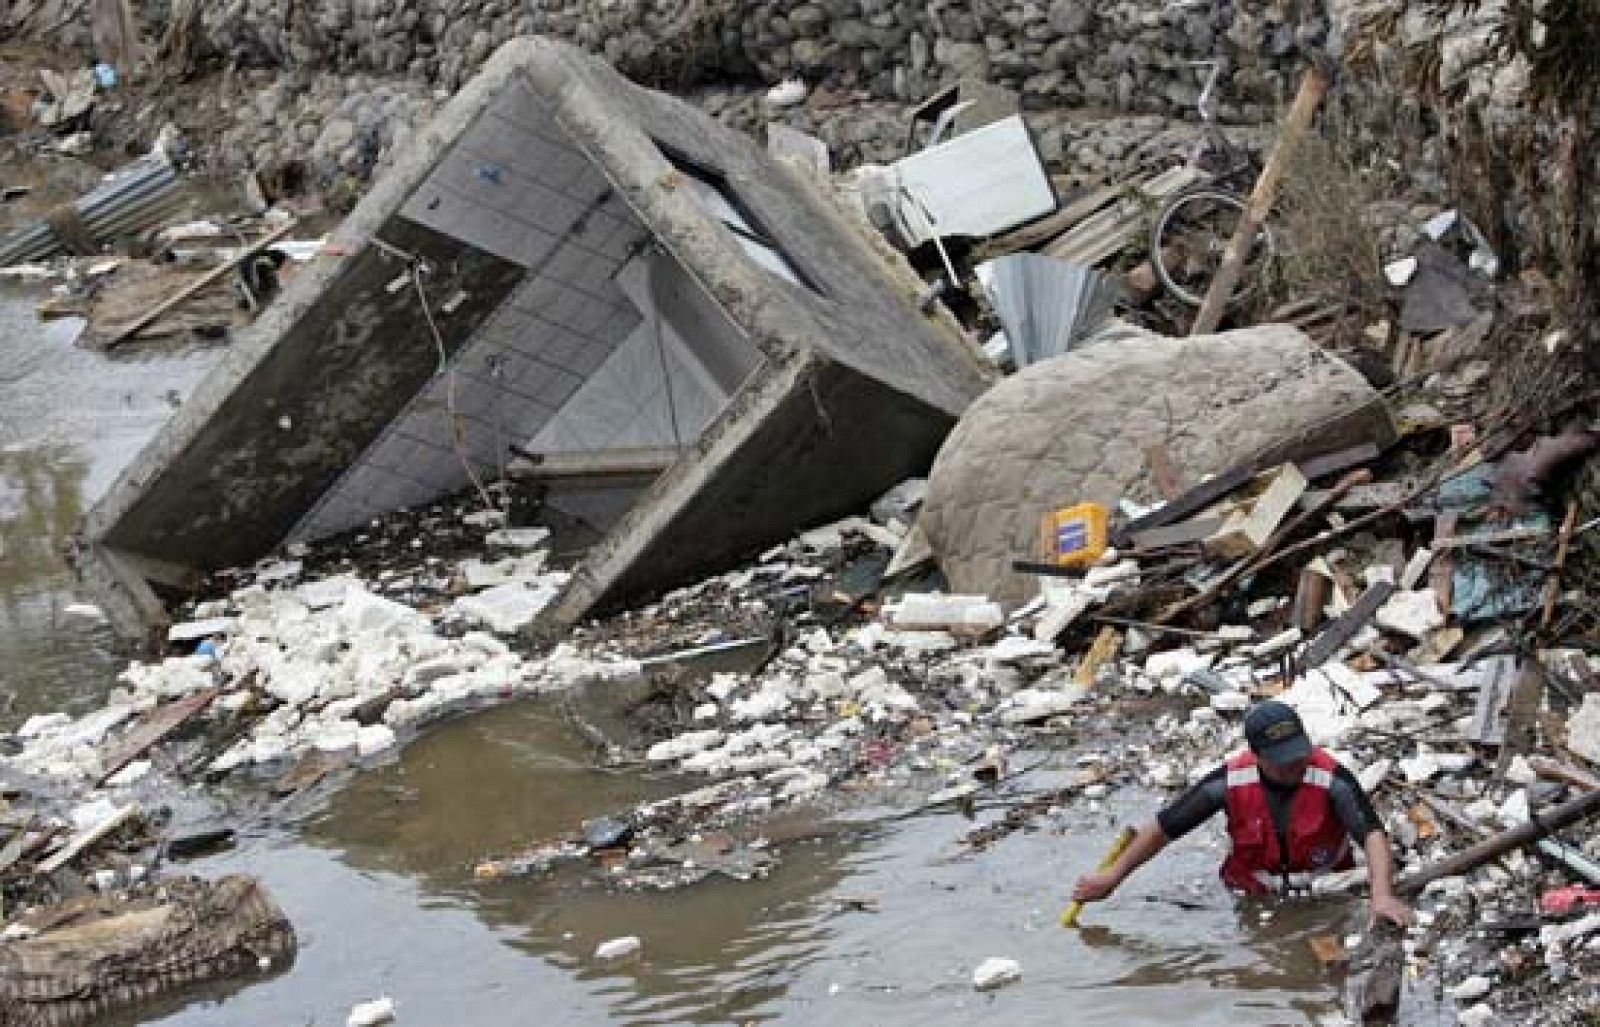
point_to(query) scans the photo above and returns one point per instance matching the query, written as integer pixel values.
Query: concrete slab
(610, 272)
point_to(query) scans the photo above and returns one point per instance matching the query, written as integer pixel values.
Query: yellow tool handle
(1118, 847)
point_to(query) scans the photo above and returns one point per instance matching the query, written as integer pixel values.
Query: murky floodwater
(379, 881)
(69, 421)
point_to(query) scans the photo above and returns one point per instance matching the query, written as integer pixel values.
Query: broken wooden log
(1542, 823)
(1312, 89)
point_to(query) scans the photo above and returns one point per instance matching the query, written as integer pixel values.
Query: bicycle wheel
(1190, 237)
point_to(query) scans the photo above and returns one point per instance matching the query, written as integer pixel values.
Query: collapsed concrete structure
(699, 349)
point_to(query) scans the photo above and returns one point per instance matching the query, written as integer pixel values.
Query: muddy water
(380, 885)
(378, 881)
(69, 421)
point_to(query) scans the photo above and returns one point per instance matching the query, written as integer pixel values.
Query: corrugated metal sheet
(136, 198)
(1045, 305)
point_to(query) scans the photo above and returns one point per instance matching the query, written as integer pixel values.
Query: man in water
(1293, 813)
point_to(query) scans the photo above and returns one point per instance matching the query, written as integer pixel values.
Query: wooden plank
(1244, 534)
(1487, 538)
(1196, 499)
(155, 726)
(1187, 533)
(1040, 231)
(1441, 577)
(1339, 461)
(155, 313)
(1337, 634)
(1310, 599)
(84, 839)
(1566, 773)
(1494, 694)
(1104, 647)
(1108, 232)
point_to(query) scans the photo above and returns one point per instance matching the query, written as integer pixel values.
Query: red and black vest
(1318, 842)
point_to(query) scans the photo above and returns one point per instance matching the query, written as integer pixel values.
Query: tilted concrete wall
(347, 354)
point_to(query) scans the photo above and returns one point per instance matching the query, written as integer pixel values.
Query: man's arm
(1177, 819)
(1380, 877)
(1355, 811)
(1094, 887)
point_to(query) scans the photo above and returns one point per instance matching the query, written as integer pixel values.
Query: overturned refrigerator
(698, 349)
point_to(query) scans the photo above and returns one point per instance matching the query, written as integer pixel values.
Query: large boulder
(1074, 428)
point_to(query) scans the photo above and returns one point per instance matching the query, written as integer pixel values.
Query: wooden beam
(1312, 89)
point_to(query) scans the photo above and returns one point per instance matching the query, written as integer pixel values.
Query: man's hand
(1388, 907)
(1094, 887)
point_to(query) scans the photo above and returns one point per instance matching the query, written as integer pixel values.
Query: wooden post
(1313, 87)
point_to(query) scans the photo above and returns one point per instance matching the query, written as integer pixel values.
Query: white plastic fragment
(996, 972)
(683, 746)
(370, 1014)
(193, 631)
(933, 611)
(1471, 989)
(518, 538)
(787, 93)
(1412, 614)
(618, 948)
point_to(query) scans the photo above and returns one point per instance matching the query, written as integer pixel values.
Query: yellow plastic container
(1076, 536)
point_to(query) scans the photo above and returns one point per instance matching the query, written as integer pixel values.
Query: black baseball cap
(1275, 733)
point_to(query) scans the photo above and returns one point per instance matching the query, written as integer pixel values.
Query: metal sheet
(1046, 305)
(977, 184)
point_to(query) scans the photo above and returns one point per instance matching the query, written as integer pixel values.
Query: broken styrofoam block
(1399, 272)
(1583, 729)
(480, 574)
(1035, 704)
(509, 608)
(996, 972)
(934, 611)
(373, 739)
(683, 746)
(1515, 811)
(87, 611)
(1560, 934)
(874, 691)
(1230, 702)
(130, 774)
(319, 595)
(1412, 614)
(193, 631)
(370, 1014)
(1471, 989)
(42, 724)
(518, 538)
(901, 502)
(1373, 775)
(618, 948)
(1177, 663)
(770, 700)
(363, 613)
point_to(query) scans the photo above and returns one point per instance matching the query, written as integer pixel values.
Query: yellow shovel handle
(1118, 847)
